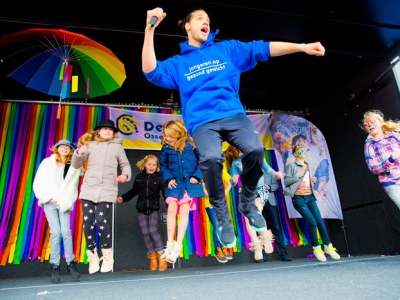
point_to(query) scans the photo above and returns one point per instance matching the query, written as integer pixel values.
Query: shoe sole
(76, 276)
(222, 261)
(257, 229)
(230, 245)
(94, 271)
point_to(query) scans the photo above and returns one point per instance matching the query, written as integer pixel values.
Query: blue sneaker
(225, 233)
(256, 219)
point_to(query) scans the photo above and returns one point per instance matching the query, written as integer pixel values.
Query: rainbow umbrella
(62, 63)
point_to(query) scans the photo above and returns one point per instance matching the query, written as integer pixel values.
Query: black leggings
(95, 214)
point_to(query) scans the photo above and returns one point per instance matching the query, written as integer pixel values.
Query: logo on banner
(127, 125)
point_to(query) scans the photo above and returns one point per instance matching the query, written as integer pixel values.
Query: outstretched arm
(283, 48)
(148, 54)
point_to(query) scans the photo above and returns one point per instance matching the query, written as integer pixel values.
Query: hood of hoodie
(185, 47)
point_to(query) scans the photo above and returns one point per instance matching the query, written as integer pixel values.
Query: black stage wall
(371, 219)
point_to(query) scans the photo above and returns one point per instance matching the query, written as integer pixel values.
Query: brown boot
(162, 264)
(153, 260)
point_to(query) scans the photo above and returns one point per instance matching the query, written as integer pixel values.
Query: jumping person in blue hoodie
(207, 74)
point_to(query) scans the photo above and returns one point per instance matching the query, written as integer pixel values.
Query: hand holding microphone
(154, 19)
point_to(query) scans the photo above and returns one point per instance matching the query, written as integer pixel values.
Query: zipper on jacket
(147, 191)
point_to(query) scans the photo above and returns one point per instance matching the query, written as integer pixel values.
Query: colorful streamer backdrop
(28, 132)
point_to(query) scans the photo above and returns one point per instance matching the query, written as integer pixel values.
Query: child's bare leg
(171, 220)
(183, 222)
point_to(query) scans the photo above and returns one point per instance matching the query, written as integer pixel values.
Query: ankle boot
(72, 269)
(55, 273)
(162, 264)
(168, 250)
(94, 261)
(257, 249)
(266, 238)
(153, 260)
(108, 261)
(171, 258)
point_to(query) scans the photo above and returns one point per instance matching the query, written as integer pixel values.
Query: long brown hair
(176, 129)
(231, 153)
(89, 136)
(68, 157)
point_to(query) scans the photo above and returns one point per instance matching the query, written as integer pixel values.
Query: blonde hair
(176, 129)
(387, 125)
(141, 163)
(68, 157)
(231, 153)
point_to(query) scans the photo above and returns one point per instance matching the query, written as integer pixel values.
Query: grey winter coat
(100, 182)
(293, 177)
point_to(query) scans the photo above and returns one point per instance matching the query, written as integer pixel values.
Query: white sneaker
(319, 253)
(331, 251)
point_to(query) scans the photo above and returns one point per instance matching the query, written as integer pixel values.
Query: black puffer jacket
(148, 187)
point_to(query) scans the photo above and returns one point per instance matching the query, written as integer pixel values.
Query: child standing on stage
(56, 187)
(299, 182)
(181, 173)
(103, 150)
(147, 186)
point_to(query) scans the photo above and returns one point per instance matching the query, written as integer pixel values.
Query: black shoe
(55, 273)
(225, 233)
(72, 269)
(265, 256)
(285, 258)
(255, 217)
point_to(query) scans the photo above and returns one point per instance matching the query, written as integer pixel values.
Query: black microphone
(153, 20)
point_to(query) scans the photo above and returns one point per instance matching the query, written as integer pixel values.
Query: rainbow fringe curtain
(28, 131)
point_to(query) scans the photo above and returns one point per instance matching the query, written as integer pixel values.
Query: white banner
(140, 130)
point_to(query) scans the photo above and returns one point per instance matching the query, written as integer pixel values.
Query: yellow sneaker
(331, 251)
(319, 253)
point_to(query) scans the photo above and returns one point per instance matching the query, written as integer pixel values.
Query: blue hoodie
(208, 77)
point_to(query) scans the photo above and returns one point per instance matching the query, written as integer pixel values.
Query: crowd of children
(175, 178)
